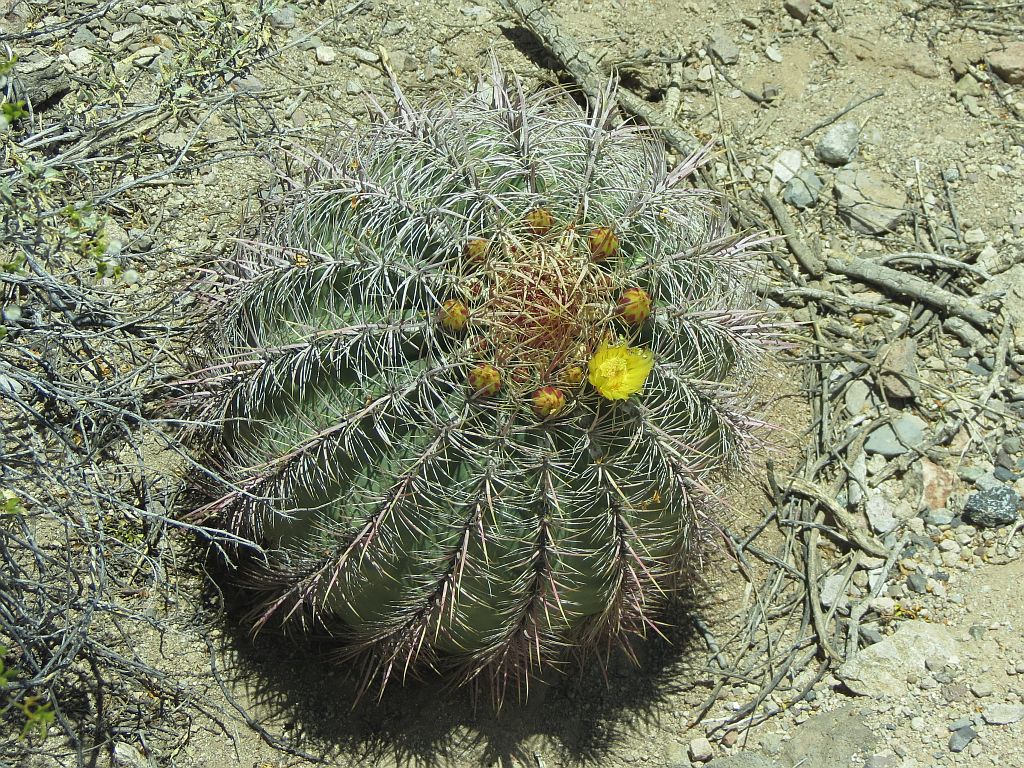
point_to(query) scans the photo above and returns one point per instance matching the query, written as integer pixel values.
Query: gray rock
(700, 750)
(839, 144)
(899, 377)
(897, 438)
(993, 507)
(1003, 714)
(961, 737)
(882, 669)
(831, 591)
(917, 582)
(325, 54)
(1008, 62)
(829, 740)
(402, 61)
(362, 55)
(80, 57)
(880, 512)
(967, 86)
(868, 205)
(856, 397)
(129, 756)
(41, 81)
(798, 9)
(1010, 284)
(393, 28)
(353, 87)
(803, 190)
(83, 36)
(743, 760)
(721, 46)
(879, 761)
(478, 14)
(283, 18)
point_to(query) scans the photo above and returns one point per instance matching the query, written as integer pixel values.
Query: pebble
(80, 57)
(839, 144)
(478, 14)
(898, 437)
(41, 80)
(831, 591)
(879, 511)
(700, 750)
(773, 53)
(798, 9)
(960, 738)
(722, 46)
(1008, 62)
(936, 483)
(982, 688)
(867, 204)
(856, 397)
(803, 190)
(283, 18)
(993, 507)
(1003, 714)
(899, 378)
(325, 54)
(353, 87)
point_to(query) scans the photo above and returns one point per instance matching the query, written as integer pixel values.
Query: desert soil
(940, 143)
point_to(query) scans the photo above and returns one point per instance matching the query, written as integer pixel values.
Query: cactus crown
(470, 383)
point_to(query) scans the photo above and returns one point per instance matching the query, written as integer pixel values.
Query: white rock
(881, 669)
(325, 54)
(80, 57)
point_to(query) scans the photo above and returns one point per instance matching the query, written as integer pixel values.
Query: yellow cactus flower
(617, 371)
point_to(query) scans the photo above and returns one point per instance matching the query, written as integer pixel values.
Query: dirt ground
(755, 76)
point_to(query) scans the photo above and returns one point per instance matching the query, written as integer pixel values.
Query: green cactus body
(452, 447)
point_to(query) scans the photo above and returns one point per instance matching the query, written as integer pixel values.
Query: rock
(80, 57)
(993, 507)
(934, 484)
(722, 47)
(858, 478)
(325, 54)
(798, 9)
(478, 14)
(882, 669)
(856, 397)
(917, 582)
(832, 591)
(675, 757)
(829, 740)
(879, 511)
(402, 61)
(1003, 714)
(899, 378)
(868, 205)
(283, 18)
(1008, 62)
(700, 750)
(41, 81)
(784, 167)
(839, 144)
(879, 761)
(803, 190)
(743, 760)
(967, 86)
(129, 756)
(897, 438)
(960, 738)
(362, 55)
(773, 53)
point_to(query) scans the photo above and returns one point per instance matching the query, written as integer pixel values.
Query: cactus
(466, 386)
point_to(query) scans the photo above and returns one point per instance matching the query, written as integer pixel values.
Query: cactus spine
(469, 385)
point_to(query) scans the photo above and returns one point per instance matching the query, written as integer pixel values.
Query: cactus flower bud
(603, 243)
(484, 380)
(634, 306)
(540, 221)
(454, 315)
(547, 401)
(476, 250)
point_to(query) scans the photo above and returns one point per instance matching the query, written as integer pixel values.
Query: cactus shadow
(576, 716)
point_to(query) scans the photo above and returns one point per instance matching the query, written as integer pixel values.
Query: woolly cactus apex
(471, 382)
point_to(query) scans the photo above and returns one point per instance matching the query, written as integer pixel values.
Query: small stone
(867, 204)
(975, 236)
(118, 36)
(477, 14)
(283, 18)
(128, 756)
(803, 190)
(879, 511)
(773, 53)
(402, 61)
(1003, 714)
(960, 738)
(982, 688)
(967, 86)
(353, 87)
(839, 144)
(992, 508)
(879, 761)
(80, 57)
(937, 483)
(1008, 62)
(831, 591)
(798, 9)
(700, 750)
(40, 80)
(897, 438)
(325, 54)
(918, 583)
(720, 44)
(899, 378)
(856, 397)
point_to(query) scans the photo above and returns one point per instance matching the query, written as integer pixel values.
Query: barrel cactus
(467, 384)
